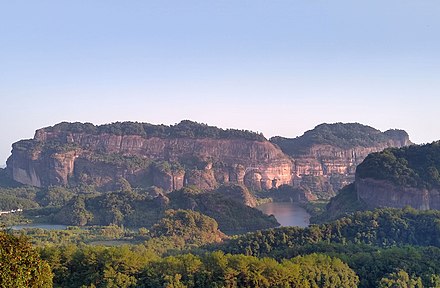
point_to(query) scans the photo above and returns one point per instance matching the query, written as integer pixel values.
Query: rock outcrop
(408, 176)
(321, 161)
(325, 158)
(67, 156)
(382, 193)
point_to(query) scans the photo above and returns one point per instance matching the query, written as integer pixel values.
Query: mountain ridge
(190, 153)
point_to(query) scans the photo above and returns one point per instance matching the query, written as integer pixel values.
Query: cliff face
(83, 157)
(382, 193)
(400, 177)
(320, 162)
(325, 158)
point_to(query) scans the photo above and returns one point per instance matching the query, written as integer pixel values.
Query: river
(286, 213)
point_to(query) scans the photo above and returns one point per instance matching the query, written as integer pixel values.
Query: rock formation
(382, 193)
(192, 154)
(326, 157)
(65, 156)
(408, 176)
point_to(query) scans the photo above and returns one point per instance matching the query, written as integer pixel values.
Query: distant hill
(414, 166)
(394, 177)
(400, 177)
(187, 154)
(341, 135)
(325, 158)
(170, 157)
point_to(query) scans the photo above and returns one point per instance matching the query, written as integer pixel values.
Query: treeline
(413, 166)
(381, 227)
(15, 198)
(320, 265)
(381, 248)
(404, 266)
(28, 197)
(131, 207)
(136, 266)
(184, 129)
(343, 135)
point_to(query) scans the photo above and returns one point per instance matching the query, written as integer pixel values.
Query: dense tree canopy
(381, 227)
(136, 267)
(191, 226)
(20, 265)
(184, 129)
(134, 208)
(374, 244)
(414, 166)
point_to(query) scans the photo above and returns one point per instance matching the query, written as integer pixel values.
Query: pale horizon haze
(276, 67)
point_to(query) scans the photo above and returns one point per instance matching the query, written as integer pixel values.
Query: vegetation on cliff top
(342, 135)
(411, 166)
(184, 129)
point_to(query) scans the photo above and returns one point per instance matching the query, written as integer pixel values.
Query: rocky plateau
(67, 155)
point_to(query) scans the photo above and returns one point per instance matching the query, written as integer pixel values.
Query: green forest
(184, 129)
(129, 207)
(412, 166)
(379, 248)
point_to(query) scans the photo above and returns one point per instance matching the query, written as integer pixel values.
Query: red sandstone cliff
(325, 158)
(258, 164)
(190, 154)
(382, 193)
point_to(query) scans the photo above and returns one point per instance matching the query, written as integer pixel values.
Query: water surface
(286, 213)
(39, 225)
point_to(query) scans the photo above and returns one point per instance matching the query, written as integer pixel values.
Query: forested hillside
(368, 249)
(414, 166)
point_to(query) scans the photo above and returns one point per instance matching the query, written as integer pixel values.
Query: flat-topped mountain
(169, 157)
(194, 154)
(325, 158)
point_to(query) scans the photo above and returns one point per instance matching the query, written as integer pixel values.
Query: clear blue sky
(277, 67)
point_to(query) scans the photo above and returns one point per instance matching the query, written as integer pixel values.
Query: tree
(400, 279)
(323, 271)
(20, 264)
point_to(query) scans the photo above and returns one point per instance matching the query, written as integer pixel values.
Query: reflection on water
(42, 226)
(286, 213)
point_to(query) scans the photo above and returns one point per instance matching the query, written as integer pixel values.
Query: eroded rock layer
(325, 158)
(321, 161)
(68, 158)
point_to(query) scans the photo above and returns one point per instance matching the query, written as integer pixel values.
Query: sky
(276, 67)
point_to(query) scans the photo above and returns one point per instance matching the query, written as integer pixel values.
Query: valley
(159, 199)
